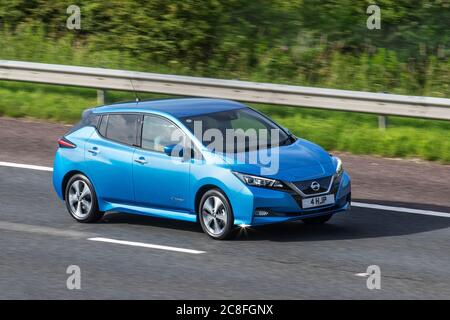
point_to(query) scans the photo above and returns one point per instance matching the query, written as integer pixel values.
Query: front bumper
(282, 206)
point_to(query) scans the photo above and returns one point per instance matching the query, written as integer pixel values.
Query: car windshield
(236, 130)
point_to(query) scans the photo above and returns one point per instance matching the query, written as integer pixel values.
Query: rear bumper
(58, 175)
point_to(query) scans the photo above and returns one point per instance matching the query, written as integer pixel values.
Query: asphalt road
(39, 240)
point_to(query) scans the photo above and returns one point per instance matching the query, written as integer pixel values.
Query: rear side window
(88, 119)
(102, 126)
(122, 128)
(92, 120)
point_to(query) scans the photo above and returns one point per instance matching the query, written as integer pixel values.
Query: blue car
(216, 162)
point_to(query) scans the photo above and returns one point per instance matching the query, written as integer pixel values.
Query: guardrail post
(101, 97)
(382, 122)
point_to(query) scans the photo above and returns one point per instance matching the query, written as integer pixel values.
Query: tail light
(65, 143)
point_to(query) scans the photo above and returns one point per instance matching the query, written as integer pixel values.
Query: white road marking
(363, 274)
(25, 166)
(147, 245)
(19, 227)
(355, 204)
(400, 209)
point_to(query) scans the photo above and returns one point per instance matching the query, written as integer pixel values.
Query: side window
(122, 128)
(88, 119)
(92, 120)
(158, 133)
(102, 127)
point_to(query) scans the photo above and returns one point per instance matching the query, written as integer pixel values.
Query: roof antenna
(135, 92)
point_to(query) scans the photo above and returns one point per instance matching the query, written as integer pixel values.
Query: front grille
(305, 186)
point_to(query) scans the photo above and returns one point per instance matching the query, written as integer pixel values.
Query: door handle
(94, 151)
(141, 160)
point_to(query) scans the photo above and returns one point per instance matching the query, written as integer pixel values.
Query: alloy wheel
(80, 199)
(214, 215)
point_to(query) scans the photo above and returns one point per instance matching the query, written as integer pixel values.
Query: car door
(109, 157)
(160, 180)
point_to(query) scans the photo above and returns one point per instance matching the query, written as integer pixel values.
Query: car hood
(301, 160)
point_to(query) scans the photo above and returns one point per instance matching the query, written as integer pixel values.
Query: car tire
(216, 215)
(317, 220)
(81, 200)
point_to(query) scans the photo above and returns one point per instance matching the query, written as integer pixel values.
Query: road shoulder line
(24, 166)
(400, 209)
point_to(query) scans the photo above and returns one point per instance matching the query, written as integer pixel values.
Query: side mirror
(169, 150)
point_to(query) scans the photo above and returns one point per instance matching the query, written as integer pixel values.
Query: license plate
(318, 201)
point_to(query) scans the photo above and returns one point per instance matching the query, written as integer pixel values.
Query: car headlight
(339, 167)
(256, 181)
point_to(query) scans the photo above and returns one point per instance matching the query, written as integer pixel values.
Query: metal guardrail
(297, 96)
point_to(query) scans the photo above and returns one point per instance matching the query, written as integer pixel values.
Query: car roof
(178, 108)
